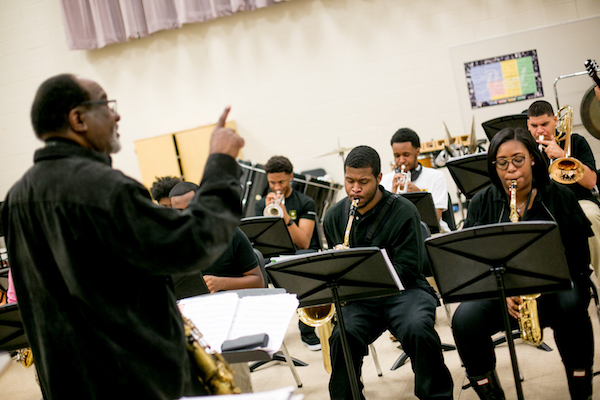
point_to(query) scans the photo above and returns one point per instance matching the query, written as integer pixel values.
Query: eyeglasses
(502, 163)
(112, 104)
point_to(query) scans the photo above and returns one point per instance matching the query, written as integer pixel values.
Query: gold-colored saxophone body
(320, 316)
(567, 169)
(25, 357)
(212, 369)
(529, 320)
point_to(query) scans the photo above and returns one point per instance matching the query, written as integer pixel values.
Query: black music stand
(470, 173)
(497, 261)
(12, 334)
(334, 276)
(495, 125)
(269, 235)
(424, 203)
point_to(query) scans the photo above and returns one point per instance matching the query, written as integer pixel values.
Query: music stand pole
(499, 273)
(345, 345)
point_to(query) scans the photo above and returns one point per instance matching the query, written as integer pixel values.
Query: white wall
(300, 76)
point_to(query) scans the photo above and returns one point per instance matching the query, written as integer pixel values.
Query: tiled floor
(543, 371)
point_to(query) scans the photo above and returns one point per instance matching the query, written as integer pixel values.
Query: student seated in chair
(237, 268)
(513, 156)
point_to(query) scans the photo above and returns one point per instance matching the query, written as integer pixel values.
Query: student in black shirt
(513, 155)
(393, 223)
(300, 216)
(236, 268)
(299, 210)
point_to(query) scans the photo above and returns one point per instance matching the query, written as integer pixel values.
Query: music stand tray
(495, 125)
(360, 273)
(12, 334)
(269, 235)
(498, 261)
(470, 173)
(424, 203)
(334, 276)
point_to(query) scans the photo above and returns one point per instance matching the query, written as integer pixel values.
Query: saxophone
(529, 320)
(213, 371)
(320, 316)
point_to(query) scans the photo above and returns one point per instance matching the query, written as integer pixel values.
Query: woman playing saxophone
(513, 158)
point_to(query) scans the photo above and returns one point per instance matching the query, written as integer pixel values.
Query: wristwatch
(290, 223)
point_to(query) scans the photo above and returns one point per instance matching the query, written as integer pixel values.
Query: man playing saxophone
(513, 156)
(391, 222)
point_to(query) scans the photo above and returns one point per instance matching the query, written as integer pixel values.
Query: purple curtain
(92, 24)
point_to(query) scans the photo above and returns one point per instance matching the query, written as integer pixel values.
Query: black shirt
(554, 202)
(399, 233)
(237, 259)
(298, 206)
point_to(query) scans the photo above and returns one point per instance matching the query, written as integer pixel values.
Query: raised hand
(225, 140)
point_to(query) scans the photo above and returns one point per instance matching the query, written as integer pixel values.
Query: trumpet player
(299, 210)
(299, 214)
(541, 121)
(406, 147)
(513, 156)
(391, 222)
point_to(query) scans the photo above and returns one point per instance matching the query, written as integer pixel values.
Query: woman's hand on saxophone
(513, 304)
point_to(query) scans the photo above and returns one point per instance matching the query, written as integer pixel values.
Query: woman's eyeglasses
(502, 163)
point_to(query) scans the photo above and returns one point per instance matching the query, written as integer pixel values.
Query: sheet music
(393, 272)
(286, 393)
(259, 314)
(212, 314)
(223, 316)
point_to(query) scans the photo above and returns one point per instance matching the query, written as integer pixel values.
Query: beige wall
(300, 76)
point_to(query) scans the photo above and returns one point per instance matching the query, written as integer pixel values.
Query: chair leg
(290, 363)
(375, 360)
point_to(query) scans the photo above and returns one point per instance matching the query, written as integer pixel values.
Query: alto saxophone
(320, 316)
(212, 369)
(529, 320)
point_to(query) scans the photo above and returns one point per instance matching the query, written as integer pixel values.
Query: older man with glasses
(91, 254)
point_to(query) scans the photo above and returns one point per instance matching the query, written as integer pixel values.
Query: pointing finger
(223, 117)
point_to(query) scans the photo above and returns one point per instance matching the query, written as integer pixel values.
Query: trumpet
(565, 170)
(274, 209)
(320, 316)
(403, 180)
(529, 320)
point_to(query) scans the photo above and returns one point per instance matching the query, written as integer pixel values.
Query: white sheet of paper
(259, 314)
(212, 314)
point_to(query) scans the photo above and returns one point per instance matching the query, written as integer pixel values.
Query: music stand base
(276, 357)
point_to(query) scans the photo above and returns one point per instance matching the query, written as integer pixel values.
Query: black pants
(410, 318)
(474, 323)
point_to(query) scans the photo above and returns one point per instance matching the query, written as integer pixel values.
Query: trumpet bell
(566, 170)
(273, 210)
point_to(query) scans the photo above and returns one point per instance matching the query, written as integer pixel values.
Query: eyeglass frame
(96, 102)
(508, 160)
